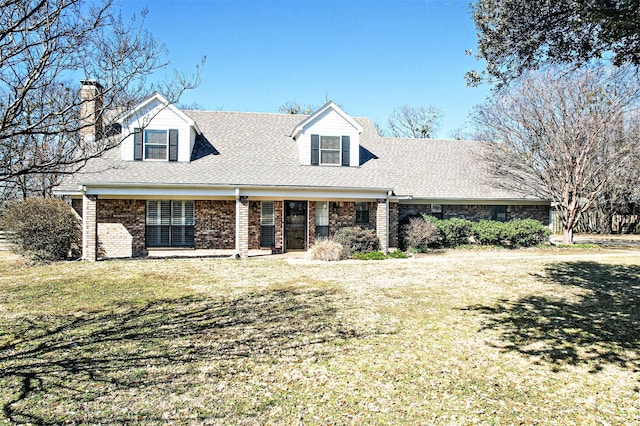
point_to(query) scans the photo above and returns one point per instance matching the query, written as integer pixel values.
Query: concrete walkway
(608, 241)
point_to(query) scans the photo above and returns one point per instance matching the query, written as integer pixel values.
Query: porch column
(382, 224)
(242, 225)
(89, 227)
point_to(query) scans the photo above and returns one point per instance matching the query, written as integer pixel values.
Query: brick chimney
(91, 110)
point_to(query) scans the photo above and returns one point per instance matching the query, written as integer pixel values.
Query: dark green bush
(420, 233)
(516, 233)
(43, 228)
(454, 231)
(525, 232)
(372, 255)
(397, 254)
(356, 240)
(489, 232)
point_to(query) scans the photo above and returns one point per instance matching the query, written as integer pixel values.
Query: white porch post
(242, 224)
(89, 227)
(382, 224)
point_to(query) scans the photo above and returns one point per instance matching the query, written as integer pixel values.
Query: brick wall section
(373, 212)
(76, 204)
(121, 228)
(215, 226)
(89, 228)
(311, 219)
(481, 212)
(540, 213)
(477, 212)
(345, 216)
(393, 224)
(242, 245)
(254, 226)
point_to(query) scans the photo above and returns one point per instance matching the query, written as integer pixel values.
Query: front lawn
(462, 337)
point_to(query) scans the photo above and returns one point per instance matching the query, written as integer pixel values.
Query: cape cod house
(231, 183)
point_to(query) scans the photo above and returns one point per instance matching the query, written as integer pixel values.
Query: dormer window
(330, 150)
(155, 144)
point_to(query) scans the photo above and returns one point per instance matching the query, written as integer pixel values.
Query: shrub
(372, 255)
(525, 232)
(489, 232)
(356, 240)
(326, 249)
(397, 254)
(42, 228)
(420, 233)
(454, 231)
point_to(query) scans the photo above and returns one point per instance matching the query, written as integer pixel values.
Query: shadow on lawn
(601, 326)
(54, 360)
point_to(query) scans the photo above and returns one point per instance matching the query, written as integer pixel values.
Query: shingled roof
(256, 149)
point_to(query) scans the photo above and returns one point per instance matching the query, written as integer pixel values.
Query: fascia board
(131, 189)
(475, 201)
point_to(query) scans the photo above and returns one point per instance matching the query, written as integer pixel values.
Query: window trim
(333, 150)
(145, 144)
(267, 223)
(171, 222)
(363, 212)
(141, 144)
(319, 219)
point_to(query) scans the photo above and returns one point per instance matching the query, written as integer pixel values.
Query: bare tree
(293, 107)
(414, 122)
(46, 46)
(563, 137)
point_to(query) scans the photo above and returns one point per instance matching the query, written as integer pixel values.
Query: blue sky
(368, 56)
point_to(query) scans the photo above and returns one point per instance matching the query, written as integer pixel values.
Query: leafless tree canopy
(293, 107)
(46, 48)
(414, 122)
(565, 137)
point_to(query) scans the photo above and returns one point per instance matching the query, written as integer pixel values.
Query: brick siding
(215, 224)
(121, 228)
(476, 212)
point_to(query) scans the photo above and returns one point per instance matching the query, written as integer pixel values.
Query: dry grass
(326, 249)
(489, 337)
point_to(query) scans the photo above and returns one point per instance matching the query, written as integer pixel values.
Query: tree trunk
(567, 235)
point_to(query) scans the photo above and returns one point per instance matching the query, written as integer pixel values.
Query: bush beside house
(43, 228)
(455, 232)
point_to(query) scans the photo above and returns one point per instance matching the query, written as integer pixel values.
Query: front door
(295, 225)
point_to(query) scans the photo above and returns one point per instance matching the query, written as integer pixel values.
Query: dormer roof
(157, 97)
(319, 112)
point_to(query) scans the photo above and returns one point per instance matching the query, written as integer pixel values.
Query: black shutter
(346, 145)
(173, 145)
(137, 144)
(315, 150)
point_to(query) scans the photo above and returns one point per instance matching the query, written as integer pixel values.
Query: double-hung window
(329, 149)
(267, 224)
(322, 219)
(155, 144)
(362, 213)
(170, 223)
